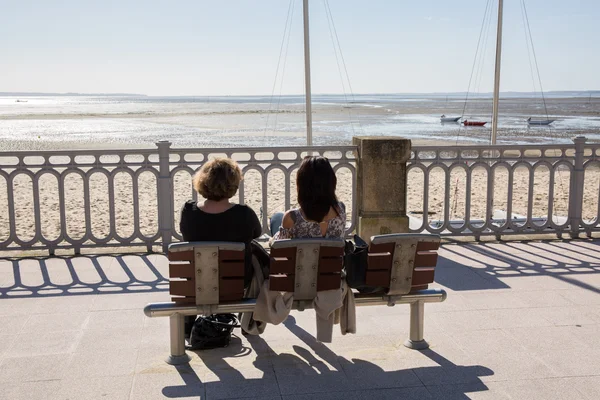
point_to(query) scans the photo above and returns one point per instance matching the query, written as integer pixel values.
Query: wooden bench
(208, 278)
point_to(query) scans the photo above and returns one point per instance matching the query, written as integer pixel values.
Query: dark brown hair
(316, 183)
(218, 179)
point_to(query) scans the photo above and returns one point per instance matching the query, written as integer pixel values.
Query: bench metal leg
(417, 316)
(177, 334)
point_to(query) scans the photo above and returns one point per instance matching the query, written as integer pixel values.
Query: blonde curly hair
(218, 179)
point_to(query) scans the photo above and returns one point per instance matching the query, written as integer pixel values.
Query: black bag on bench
(356, 256)
(212, 331)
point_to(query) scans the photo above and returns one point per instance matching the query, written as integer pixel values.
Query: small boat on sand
(443, 118)
(474, 123)
(539, 121)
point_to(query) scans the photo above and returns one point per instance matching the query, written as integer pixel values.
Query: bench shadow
(315, 369)
(480, 266)
(80, 275)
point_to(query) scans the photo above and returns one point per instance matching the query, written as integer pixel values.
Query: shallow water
(59, 121)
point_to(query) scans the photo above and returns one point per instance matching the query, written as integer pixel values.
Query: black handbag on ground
(212, 331)
(355, 265)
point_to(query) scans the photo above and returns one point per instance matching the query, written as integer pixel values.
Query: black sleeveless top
(238, 224)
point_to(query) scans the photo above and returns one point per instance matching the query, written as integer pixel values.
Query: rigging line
(335, 52)
(560, 177)
(287, 47)
(484, 46)
(528, 51)
(338, 65)
(487, 5)
(287, 21)
(535, 58)
(343, 60)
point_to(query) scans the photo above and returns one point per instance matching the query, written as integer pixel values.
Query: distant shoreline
(453, 95)
(36, 94)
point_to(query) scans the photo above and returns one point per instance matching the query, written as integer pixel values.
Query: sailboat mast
(307, 76)
(497, 75)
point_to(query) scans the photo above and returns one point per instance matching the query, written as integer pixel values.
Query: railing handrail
(147, 172)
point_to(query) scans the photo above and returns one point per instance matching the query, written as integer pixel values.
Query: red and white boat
(474, 123)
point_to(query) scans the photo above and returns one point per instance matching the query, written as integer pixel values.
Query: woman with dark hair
(320, 213)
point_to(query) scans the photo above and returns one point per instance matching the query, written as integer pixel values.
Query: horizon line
(124, 94)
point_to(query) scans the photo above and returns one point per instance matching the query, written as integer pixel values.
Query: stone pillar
(381, 185)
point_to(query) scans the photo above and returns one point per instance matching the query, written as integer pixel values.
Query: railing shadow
(309, 371)
(80, 275)
(480, 266)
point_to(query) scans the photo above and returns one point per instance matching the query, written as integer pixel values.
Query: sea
(56, 121)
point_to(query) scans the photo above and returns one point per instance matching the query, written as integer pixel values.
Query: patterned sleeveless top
(303, 229)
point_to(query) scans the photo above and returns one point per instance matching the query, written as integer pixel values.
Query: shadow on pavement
(315, 369)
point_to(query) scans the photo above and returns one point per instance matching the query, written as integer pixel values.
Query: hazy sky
(201, 47)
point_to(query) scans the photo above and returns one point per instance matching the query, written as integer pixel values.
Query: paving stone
(56, 322)
(80, 303)
(473, 390)
(34, 368)
(17, 306)
(113, 339)
(503, 355)
(323, 396)
(588, 386)
(41, 390)
(180, 383)
(541, 389)
(40, 343)
(416, 393)
(113, 388)
(128, 301)
(102, 362)
(120, 319)
(12, 324)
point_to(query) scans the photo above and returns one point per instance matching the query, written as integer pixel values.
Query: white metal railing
(119, 198)
(504, 189)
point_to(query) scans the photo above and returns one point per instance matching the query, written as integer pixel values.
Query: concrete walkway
(522, 321)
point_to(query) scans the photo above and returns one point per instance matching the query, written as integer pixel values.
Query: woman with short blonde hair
(216, 218)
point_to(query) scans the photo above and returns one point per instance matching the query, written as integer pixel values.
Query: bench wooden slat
(182, 288)
(281, 283)
(282, 265)
(326, 251)
(177, 270)
(187, 255)
(231, 287)
(229, 297)
(427, 245)
(379, 261)
(423, 277)
(426, 259)
(377, 278)
(331, 264)
(225, 255)
(184, 300)
(286, 252)
(329, 282)
(232, 268)
(382, 248)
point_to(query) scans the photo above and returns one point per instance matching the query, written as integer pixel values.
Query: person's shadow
(284, 374)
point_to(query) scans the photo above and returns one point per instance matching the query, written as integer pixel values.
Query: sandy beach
(148, 218)
(242, 125)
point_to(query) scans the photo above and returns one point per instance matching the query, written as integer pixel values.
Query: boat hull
(449, 119)
(474, 123)
(541, 122)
